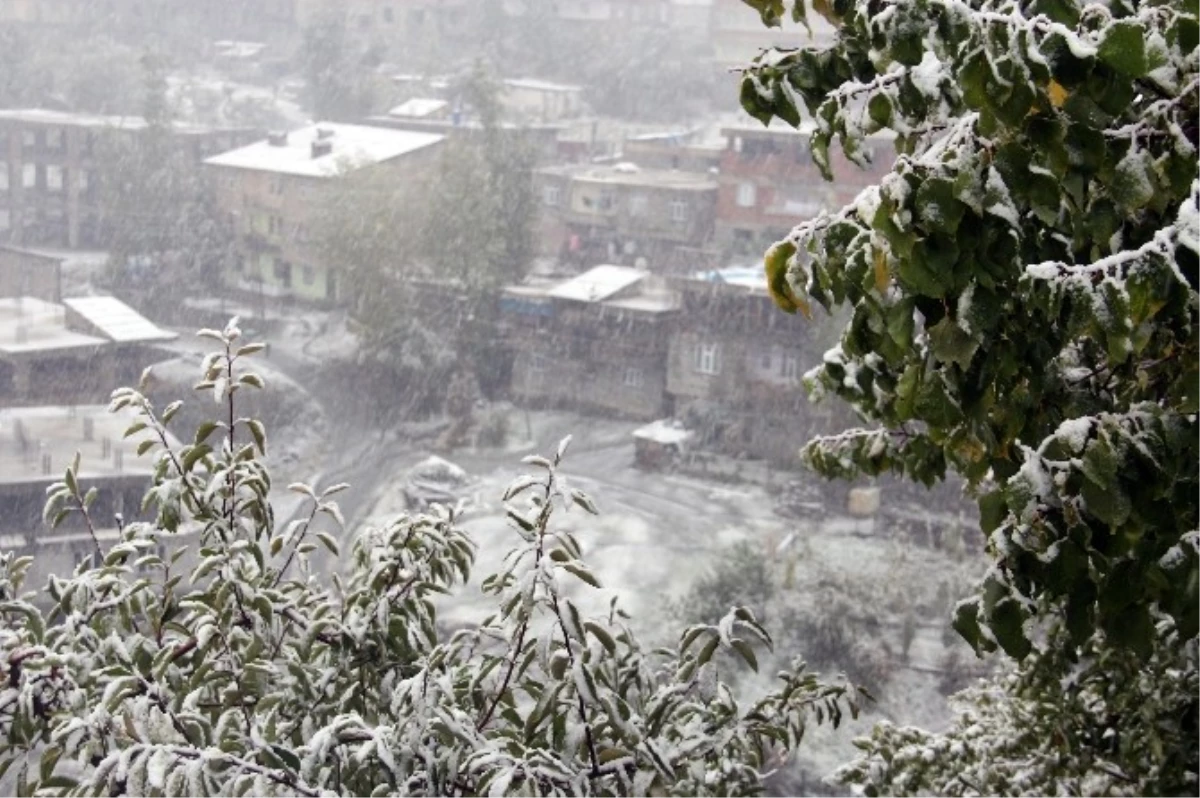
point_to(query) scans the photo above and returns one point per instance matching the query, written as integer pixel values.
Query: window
(283, 272)
(84, 180)
(606, 201)
(747, 195)
(276, 186)
(54, 177)
(634, 377)
(537, 363)
(54, 140)
(274, 225)
(766, 361)
(28, 140)
(5, 219)
(3, 176)
(551, 195)
(638, 204)
(708, 358)
(309, 275)
(28, 175)
(679, 211)
(789, 368)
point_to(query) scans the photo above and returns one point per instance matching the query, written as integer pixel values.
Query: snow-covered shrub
(244, 673)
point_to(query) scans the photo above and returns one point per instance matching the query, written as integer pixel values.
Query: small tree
(232, 669)
(1025, 313)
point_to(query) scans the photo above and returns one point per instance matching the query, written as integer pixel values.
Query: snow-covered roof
(30, 435)
(619, 174)
(664, 431)
(351, 147)
(598, 284)
(661, 302)
(542, 85)
(419, 107)
(116, 320)
(29, 325)
(47, 116)
(742, 276)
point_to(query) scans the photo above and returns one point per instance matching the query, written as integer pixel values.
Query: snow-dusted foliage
(232, 669)
(1025, 310)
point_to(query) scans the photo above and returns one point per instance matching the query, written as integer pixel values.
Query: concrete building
(48, 168)
(625, 214)
(274, 191)
(597, 341)
(734, 366)
(36, 446)
(76, 352)
(769, 183)
(527, 100)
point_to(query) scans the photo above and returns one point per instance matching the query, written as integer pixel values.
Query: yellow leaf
(1057, 94)
(825, 9)
(882, 276)
(776, 264)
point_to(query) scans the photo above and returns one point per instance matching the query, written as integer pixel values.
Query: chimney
(277, 139)
(322, 147)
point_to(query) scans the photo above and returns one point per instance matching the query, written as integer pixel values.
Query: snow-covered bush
(1025, 313)
(243, 673)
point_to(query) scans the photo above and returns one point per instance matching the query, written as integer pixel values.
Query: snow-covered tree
(1024, 296)
(233, 669)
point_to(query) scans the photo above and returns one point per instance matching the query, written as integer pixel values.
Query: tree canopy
(1024, 297)
(231, 666)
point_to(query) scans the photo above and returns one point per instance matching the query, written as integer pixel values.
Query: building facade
(275, 190)
(625, 214)
(769, 183)
(49, 162)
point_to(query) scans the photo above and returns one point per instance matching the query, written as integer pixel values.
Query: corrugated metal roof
(116, 320)
(598, 284)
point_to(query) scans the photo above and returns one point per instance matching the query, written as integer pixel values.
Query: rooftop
(631, 175)
(541, 85)
(664, 431)
(350, 147)
(419, 107)
(117, 321)
(597, 284)
(34, 325)
(29, 325)
(752, 277)
(37, 443)
(47, 116)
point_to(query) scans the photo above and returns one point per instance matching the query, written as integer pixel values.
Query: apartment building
(48, 165)
(274, 191)
(622, 213)
(768, 183)
(597, 341)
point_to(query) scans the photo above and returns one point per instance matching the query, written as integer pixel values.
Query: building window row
(707, 358)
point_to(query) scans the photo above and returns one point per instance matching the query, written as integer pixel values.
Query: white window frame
(634, 377)
(28, 175)
(551, 196)
(638, 204)
(55, 139)
(707, 358)
(747, 195)
(5, 219)
(789, 368)
(679, 211)
(83, 178)
(3, 175)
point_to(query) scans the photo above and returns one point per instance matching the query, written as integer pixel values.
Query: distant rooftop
(48, 116)
(753, 277)
(597, 284)
(349, 147)
(37, 443)
(117, 321)
(542, 85)
(631, 175)
(419, 107)
(29, 325)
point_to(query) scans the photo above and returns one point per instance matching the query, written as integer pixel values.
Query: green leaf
(1124, 48)
(879, 108)
(743, 648)
(1007, 622)
(951, 344)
